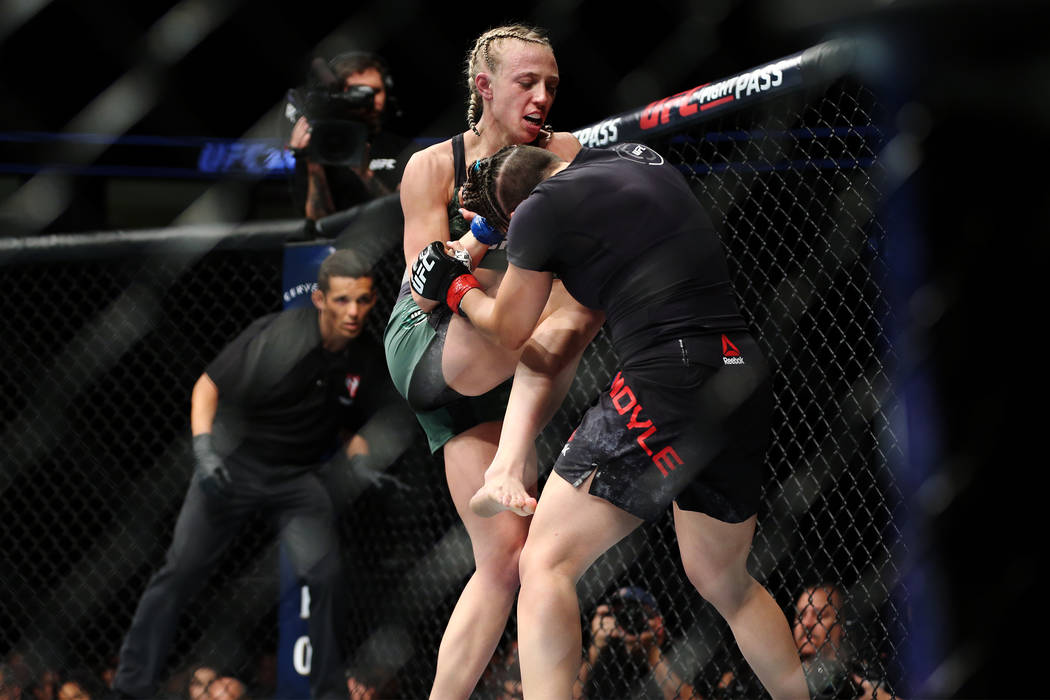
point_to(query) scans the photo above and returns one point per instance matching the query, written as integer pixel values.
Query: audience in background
(833, 669)
(108, 671)
(226, 688)
(80, 684)
(624, 654)
(626, 651)
(198, 679)
(45, 684)
(502, 677)
(10, 684)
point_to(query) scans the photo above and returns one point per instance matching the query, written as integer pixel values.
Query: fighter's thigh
(713, 550)
(572, 528)
(471, 363)
(467, 455)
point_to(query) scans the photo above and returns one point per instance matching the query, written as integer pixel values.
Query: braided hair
(486, 56)
(496, 185)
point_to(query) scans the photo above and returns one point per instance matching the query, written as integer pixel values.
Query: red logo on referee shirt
(353, 381)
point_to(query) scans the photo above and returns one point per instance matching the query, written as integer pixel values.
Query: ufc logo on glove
(424, 264)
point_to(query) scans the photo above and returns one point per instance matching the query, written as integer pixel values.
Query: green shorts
(413, 341)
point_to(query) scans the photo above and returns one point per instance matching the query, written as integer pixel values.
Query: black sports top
(623, 231)
(283, 398)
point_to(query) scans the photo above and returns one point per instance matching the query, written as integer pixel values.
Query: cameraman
(343, 155)
(625, 652)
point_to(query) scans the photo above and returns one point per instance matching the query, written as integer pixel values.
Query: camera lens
(631, 616)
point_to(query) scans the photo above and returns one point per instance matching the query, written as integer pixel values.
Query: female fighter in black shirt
(686, 420)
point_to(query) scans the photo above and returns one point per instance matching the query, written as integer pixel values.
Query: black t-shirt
(388, 155)
(624, 232)
(284, 399)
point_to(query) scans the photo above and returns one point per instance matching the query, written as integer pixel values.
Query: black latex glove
(213, 475)
(349, 476)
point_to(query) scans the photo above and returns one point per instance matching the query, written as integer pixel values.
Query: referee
(279, 422)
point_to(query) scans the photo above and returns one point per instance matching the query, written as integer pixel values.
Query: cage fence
(99, 354)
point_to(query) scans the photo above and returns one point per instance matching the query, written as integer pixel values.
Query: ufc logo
(424, 264)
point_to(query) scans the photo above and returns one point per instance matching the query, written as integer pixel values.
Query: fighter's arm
(425, 190)
(204, 402)
(511, 316)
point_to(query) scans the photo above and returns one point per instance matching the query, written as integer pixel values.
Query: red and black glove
(438, 276)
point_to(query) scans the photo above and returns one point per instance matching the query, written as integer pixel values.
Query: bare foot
(499, 495)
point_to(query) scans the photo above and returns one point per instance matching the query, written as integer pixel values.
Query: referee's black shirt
(284, 399)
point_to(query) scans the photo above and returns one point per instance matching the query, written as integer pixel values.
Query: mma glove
(212, 474)
(438, 276)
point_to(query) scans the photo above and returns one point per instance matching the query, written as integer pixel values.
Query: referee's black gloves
(348, 476)
(213, 475)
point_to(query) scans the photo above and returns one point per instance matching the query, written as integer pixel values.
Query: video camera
(341, 121)
(631, 615)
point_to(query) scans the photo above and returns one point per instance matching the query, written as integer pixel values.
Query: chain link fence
(99, 354)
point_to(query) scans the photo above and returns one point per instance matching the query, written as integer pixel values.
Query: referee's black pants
(306, 521)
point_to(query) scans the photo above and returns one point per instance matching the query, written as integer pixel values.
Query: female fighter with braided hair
(686, 421)
(455, 379)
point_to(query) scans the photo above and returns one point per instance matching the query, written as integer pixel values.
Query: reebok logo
(730, 353)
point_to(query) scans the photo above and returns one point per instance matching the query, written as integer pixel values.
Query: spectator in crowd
(80, 684)
(369, 681)
(829, 659)
(455, 379)
(374, 684)
(624, 657)
(109, 671)
(10, 683)
(359, 689)
(226, 688)
(347, 100)
(625, 654)
(828, 655)
(502, 677)
(198, 679)
(280, 422)
(45, 684)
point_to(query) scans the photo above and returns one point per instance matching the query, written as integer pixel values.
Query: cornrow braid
(479, 191)
(498, 184)
(483, 57)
